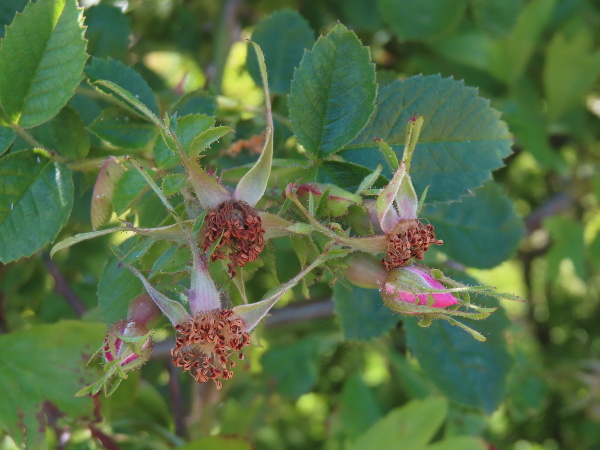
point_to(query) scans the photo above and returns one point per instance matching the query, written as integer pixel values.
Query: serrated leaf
(42, 57)
(462, 141)
(197, 102)
(104, 189)
(361, 312)
(65, 133)
(107, 31)
(494, 17)
(123, 129)
(8, 11)
(206, 138)
(124, 77)
(283, 37)
(411, 426)
(187, 129)
(415, 20)
(7, 136)
(480, 231)
(332, 93)
(57, 355)
(36, 197)
(467, 371)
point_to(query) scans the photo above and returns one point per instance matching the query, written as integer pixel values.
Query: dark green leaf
(481, 231)
(347, 175)
(494, 17)
(7, 136)
(293, 379)
(117, 287)
(361, 312)
(107, 31)
(188, 128)
(44, 367)
(42, 57)
(283, 37)
(65, 133)
(123, 76)
(123, 129)
(130, 186)
(333, 92)
(467, 371)
(414, 20)
(36, 197)
(462, 141)
(197, 102)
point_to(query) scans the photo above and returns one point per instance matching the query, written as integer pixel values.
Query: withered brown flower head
(412, 241)
(205, 343)
(242, 231)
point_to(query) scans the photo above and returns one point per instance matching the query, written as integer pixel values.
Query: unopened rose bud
(366, 271)
(127, 344)
(411, 283)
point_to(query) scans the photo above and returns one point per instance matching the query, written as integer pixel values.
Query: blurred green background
(307, 386)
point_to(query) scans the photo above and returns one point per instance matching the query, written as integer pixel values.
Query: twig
(176, 400)
(62, 287)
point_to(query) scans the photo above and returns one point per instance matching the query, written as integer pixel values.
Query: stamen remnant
(205, 343)
(239, 227)
(412, 242)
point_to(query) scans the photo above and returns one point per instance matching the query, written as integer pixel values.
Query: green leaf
(567, 237)
(361, 312)
(572, 66)
(107, 31)
(281, 363)
(173, 183)
(36, 197)
(117, 287)
(467, 371)
(462, 141)
(509, 57)
(7, 136)
(460, 442)
(358, 407)
(130, 186)
(494, 17)
(415, 20)
(333, 92)
(206, 138)
(218, 443)
(124, 77)
(8, 9)
(65, 133)
(411, 426)
(123, 129)
(481, 231)
(347, 175)
(188, 128)
(197, 102)
(44, 366)
(42, 57)
(283, 37)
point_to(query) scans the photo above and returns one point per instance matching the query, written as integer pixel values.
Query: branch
(62, 287)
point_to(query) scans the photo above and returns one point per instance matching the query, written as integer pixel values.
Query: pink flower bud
(407, 284)
(128, 344)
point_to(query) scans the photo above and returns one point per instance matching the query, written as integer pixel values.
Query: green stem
(27, 137)
(414, 130)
